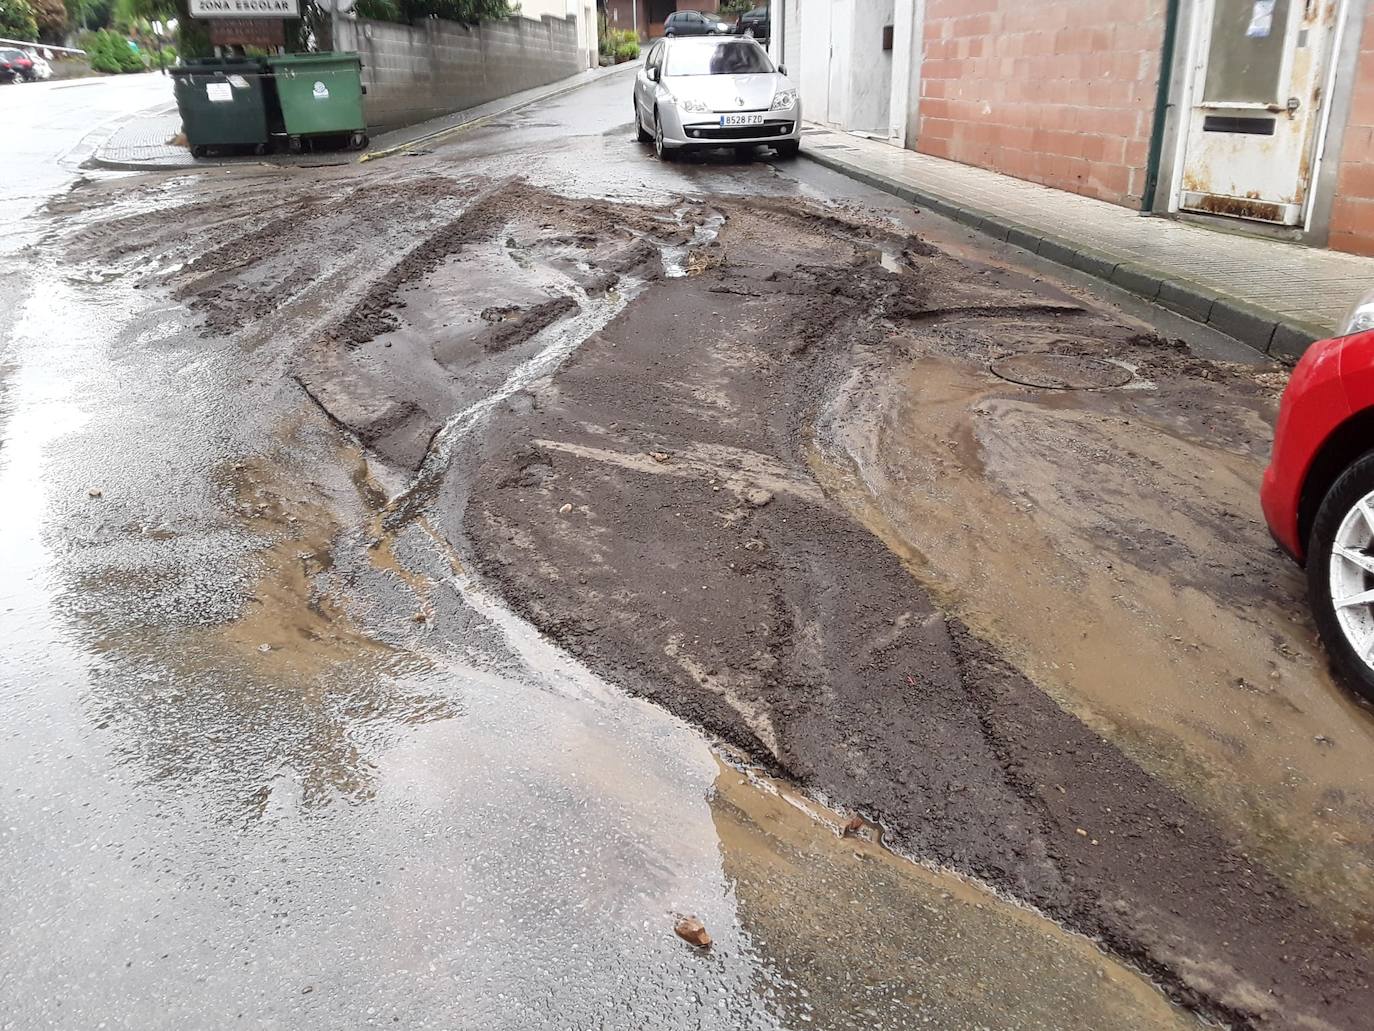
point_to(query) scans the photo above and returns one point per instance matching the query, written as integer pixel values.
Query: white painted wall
(584, 13)
(834, 51)
(869, 67)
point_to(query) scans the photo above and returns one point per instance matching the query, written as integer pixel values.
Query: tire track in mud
(787, 630)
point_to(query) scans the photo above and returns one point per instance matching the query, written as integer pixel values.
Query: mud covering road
(702, 565)
(745, 457)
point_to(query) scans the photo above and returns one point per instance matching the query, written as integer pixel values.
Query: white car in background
(41, 68)
(705, 91)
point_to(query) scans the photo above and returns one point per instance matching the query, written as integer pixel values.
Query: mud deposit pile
(657, 502)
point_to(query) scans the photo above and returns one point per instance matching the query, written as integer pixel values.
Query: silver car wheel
(1351, 575)
(659, 149)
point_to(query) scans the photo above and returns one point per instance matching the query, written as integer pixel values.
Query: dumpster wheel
(358, 141)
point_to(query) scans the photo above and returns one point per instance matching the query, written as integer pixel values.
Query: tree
(51, 16)
(90, 14)
(17, 21)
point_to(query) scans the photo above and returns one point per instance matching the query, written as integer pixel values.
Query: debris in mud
(758, 497)
(693, 932)
(660, 456)
(516, 325)
(853, 827)
(565, 508)
(96, 492)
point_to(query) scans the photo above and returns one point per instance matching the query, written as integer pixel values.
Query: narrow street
(424, 581)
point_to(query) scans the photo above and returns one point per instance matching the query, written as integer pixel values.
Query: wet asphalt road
(45, 124)
(202, 825)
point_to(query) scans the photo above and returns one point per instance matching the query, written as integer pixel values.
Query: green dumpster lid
(330, 57)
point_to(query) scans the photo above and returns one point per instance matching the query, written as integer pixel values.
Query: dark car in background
(694, 23)
(753, 23)
(16, 66)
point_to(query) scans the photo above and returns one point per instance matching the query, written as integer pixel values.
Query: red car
(16, 66)
(1318, 492)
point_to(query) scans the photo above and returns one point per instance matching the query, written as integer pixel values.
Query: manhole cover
(1061, 371)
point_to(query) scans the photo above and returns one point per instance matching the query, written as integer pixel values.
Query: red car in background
(1318, 492)
(16, 66)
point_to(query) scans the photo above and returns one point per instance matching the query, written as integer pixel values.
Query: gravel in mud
(673, 505)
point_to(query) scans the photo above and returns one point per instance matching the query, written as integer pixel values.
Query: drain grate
(1061, 371)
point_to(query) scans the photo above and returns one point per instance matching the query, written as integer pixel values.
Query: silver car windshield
(728, 58)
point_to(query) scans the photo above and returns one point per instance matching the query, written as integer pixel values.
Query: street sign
(245, 9)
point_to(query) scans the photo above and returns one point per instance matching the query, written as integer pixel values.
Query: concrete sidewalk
(1276, 297)
(144, 143)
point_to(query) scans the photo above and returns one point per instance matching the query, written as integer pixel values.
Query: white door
(1256, 97)
(813, 77)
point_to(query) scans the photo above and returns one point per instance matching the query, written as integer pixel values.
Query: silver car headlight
(1361, 316)
(693, 105)
(784, 100)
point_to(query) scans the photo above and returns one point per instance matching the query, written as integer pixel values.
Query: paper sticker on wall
(1261, 20)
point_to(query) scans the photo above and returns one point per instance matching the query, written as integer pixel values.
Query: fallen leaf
(693, 932)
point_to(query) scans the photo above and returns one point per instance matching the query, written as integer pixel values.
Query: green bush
(164, 57)
(616, 44)
(17, 20)
(110, 52)
(378, 10)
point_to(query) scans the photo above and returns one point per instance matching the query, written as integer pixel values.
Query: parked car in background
(693, 93)
(16, 66)
(694, 23)
(753, 23)
(1318, 492)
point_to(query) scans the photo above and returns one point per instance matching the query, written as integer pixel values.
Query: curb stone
(1257, 328)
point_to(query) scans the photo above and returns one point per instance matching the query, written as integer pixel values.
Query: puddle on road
(865, 939)
(1115, 553)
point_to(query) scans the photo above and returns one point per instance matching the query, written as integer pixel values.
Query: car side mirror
(782, 69)
(653, 75)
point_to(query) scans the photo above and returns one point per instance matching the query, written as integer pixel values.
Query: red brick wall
(1060, 92)
(1352, 210)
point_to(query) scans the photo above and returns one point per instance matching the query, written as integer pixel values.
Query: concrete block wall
(417, 72)
(1352, 210)
(1059, 92)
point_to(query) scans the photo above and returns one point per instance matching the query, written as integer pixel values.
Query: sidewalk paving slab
(143, 143)
(1277, 297)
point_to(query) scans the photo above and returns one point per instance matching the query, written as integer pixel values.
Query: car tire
(1348, 506)
(642, 135)
(788, 149)
(662, 152)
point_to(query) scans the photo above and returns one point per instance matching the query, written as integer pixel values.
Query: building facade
(1251, 112)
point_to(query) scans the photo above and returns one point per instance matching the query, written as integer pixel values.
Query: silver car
(712, 92)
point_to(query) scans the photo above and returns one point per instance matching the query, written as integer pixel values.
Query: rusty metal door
(1256, 97)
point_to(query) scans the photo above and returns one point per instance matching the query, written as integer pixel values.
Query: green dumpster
(321, 95)
(223, 103)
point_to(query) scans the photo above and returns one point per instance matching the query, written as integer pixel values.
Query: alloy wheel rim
(1351, 578)
(658, 136)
